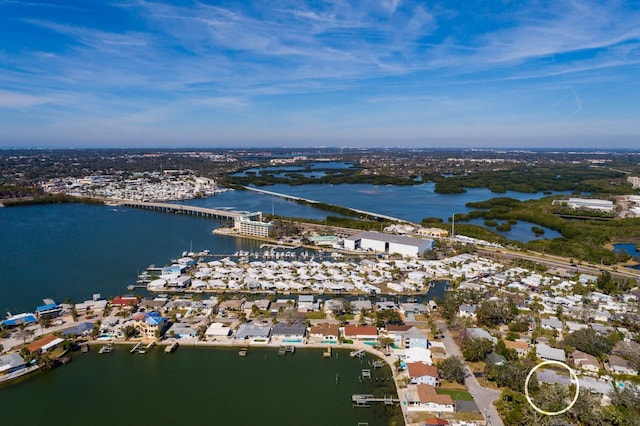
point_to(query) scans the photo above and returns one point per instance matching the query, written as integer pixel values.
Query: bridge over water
(190, 210)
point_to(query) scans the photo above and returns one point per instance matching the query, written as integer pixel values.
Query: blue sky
(447, 73)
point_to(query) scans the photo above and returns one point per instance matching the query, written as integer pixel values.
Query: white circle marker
(573, 378)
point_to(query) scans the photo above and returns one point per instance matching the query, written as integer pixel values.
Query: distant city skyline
(376, 73)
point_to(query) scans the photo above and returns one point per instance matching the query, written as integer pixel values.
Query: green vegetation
(452, 369)
(581, 239)
(474, 349)
(589, 341)
(50, 199)
(541, 177)
(495, 312)
(455, 394)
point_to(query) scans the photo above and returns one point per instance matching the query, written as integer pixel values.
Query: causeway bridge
(294, 198)
(190, 210)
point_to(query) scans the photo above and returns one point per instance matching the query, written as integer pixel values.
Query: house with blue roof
(17, 320)
(151, 325)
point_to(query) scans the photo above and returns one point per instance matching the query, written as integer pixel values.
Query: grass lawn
(460, 395)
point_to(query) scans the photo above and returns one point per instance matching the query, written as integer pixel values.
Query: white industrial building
(591, 204)
(387, 243)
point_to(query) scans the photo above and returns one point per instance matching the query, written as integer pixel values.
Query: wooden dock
(357, 353)
(327, 353)
(171, 348)
(360, 400)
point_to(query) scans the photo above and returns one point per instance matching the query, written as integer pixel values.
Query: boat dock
(283, 350)
(141, 349)
(106, 349)
(359, 400)
(172, 347)
(357, 354)
(327, 353)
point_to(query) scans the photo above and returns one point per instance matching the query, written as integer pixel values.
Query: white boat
(106, 349)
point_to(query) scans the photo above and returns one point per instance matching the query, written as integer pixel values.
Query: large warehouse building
(387, 243)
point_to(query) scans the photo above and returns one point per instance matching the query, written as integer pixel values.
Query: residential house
(124, 301)
(329, 333)
(585, 361)
(495, 359)
(480, 333)
(255, 333)
(551, 323)
(290, 333)
(396, 332)
(467, 311)
(425, 398)
(618, 365)
(414, 338)
(151, 325)
(548, 353)
(181, 330)
(217, 329)
(421, 373)
(45, 344)
(11, 363)
(362, 332)
(520, 346)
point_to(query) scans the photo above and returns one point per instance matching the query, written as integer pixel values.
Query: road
(482, 396)
(561, 262)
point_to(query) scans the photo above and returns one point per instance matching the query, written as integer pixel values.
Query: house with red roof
(421, 373)
(425, 398)
(360, 332)
(45, 344)
(125, 301)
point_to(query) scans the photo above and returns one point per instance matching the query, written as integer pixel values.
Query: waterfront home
(424, 397)
(216, 330)
(358, 305)
(421, 373)
(123, 301)
(585, 361)
(548, 353)
(49, 310)
(289, 332)
(91, 306)
(151, 325)
(420, 355)
(325, 331)
(19, 319)
(362, 332)
(619, 365)
(11, 363)
(153, 305)
(181, 330)
(253, 332)
(45, 344)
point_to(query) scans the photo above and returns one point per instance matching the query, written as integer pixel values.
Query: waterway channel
(200, 386)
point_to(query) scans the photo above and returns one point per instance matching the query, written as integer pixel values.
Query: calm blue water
(412, 203)
(74, 250)
(521, 231)
(294, 168)
(630, 249)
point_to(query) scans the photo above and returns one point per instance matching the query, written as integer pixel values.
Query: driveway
(483, 397)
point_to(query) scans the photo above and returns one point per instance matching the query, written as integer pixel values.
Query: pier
(190, 210)
(172, 347)
(357, 354)
(359, 400)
